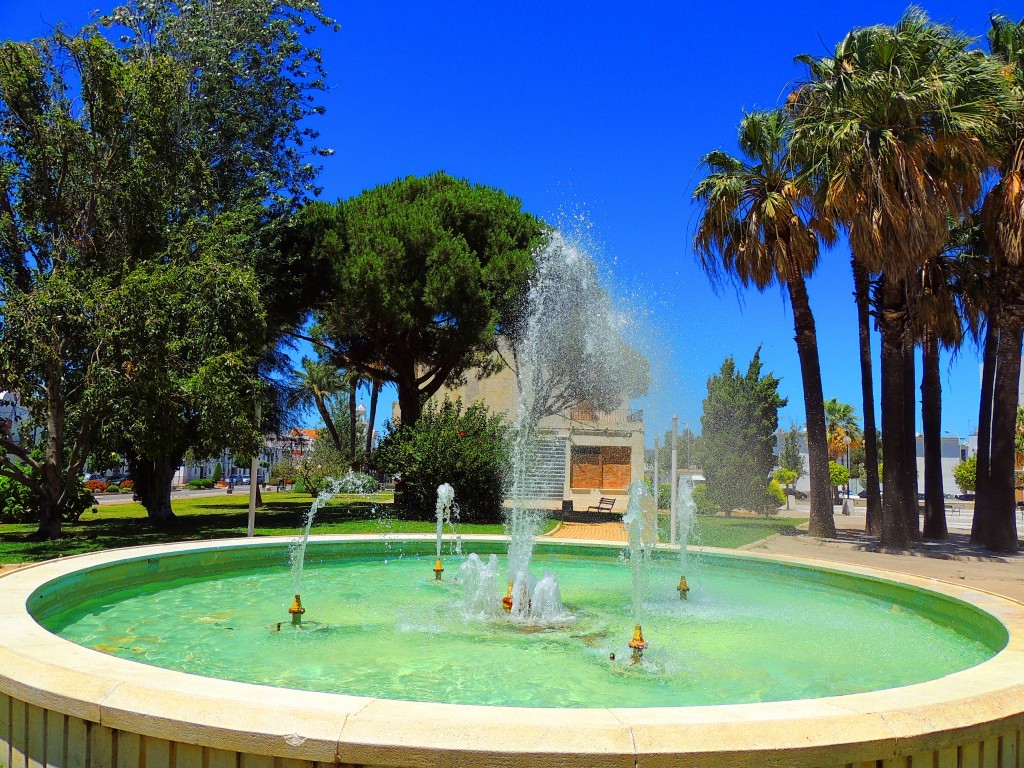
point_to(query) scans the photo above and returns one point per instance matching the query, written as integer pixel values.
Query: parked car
(969, 496)
(116, 479)
(798, 494)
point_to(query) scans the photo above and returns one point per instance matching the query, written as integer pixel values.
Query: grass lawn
(214, 517)
(732, 532)
(218, 517)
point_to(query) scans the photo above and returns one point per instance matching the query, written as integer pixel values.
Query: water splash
(297, 549)
(641, 528)
(447, 512)
(686, 511)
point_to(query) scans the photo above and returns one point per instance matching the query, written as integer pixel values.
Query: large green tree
(425, 272)
(77, 191)
(897, 128)
(758, 225)
(741, 415)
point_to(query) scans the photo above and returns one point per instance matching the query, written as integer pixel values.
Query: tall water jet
(686, 511)
(641, 528)
(567, 349)
(445, 509)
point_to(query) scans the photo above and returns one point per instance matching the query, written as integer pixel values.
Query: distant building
(583, 454)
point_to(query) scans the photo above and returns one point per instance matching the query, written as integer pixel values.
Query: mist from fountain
(686, 515)
(447, 512)
(641, 531)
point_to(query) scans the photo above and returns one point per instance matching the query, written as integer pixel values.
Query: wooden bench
(604, 505)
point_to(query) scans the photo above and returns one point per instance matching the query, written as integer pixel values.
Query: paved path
(591, 531)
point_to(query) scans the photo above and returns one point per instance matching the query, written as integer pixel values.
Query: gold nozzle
(438, 569)
(506, 601)
(638, 644)
(297, 610)
(683, 588)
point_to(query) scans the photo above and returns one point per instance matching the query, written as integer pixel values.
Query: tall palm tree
(757, 226)
(841, 422)
(1003, 219)
(316, 383)
(896, 129)
(862, 297)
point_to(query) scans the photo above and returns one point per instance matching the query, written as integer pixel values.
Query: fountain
(446, 511)
(830, 666)
(686, 515)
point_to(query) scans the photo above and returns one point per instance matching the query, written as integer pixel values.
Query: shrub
(95, 486)
(446, 445)
(200, 483)
(218, 473)
(113, 488)
(775, 498)
(703, 502)
(966, 474)
(16, 502)
(127, 485)
(664, 496)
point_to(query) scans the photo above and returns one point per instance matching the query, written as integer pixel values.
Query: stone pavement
(590, 531)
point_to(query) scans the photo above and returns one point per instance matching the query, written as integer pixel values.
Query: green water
(384, 628)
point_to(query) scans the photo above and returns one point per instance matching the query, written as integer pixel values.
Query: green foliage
(202, 483)
(776, 498)
(446, 445)
(16, 502)
(113, 488)
(790, 457)
(664, 496)
(218, 472)
(407, 254)
(785, 477)
(737, 435)
(314, 469)
(686, 441)
(703, 501)
(837, 474)
(966, 474)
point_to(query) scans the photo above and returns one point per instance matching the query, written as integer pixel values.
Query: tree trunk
(909, 489)
(408, 398)
(153, 478)
(50, 521)
(325, 414)
(981, 485)
(931, 424)
(353, 462)
(892, 321)
(861, 282)
(822, 521)
(1000, 512)
(374, 394)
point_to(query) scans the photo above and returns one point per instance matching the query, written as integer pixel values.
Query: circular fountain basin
(62, 699)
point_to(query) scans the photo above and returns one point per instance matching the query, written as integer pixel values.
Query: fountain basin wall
(65, 705)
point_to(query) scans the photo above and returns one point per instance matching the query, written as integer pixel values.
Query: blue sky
(596, 115)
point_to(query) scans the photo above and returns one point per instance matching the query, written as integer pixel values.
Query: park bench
(604, 505)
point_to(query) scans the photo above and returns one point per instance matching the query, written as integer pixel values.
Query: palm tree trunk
(861, 286)
(981, 485)
(931, 423)
(325, 414)
(892, 321)
(822, 520)
(909, 489)
(1001, 513)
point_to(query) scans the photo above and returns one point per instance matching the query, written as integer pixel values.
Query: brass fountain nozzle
(506, 601)
(683, 588)
(297, 610)
(638, 644)
(438, 569)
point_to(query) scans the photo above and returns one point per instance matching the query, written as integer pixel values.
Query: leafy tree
(838, 474)
(218, 472)
(314, 469)
(702, 500)
(776, 498)
(785, 479)
(889, 170)
(966, 474)
(758, 224)
(425, 270)
(791, 458)
(741, 414)
(841, 421)
(448, 445)
(66, 239)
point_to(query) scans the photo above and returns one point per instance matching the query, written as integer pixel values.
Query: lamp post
(846, 441)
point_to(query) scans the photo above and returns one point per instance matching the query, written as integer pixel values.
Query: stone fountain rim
(46, 671)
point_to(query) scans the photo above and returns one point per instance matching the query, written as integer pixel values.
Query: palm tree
(1003, 218)
(861, 294)
(757, 226)
(896, 129)
(841, 423)
(316, 383)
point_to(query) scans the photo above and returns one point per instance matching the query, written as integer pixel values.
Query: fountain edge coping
(49, 672)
